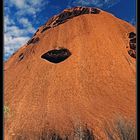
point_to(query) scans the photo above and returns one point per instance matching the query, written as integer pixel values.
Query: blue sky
(23, 17)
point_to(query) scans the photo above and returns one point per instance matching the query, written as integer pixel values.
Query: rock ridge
(67, 14)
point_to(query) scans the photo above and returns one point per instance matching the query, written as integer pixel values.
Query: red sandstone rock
(95, 83)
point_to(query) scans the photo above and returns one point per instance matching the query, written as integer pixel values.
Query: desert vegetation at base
(120, 129)
(79, 133)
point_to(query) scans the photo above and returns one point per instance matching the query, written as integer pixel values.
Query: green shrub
(6, 110)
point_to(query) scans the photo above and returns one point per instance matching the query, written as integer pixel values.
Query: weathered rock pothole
(132, 34)
(132, 53)
(56, 55)
(132, 44)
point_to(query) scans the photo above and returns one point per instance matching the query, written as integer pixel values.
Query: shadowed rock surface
(21, 56)
(33, 40)
(133, 40)
(132, 34)
(132, 44)
(132, 53)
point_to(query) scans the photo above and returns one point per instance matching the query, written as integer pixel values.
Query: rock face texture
(76, 69)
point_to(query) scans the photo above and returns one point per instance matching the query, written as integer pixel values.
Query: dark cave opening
(56, 55)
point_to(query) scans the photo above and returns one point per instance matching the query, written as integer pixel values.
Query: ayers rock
(78, 68)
